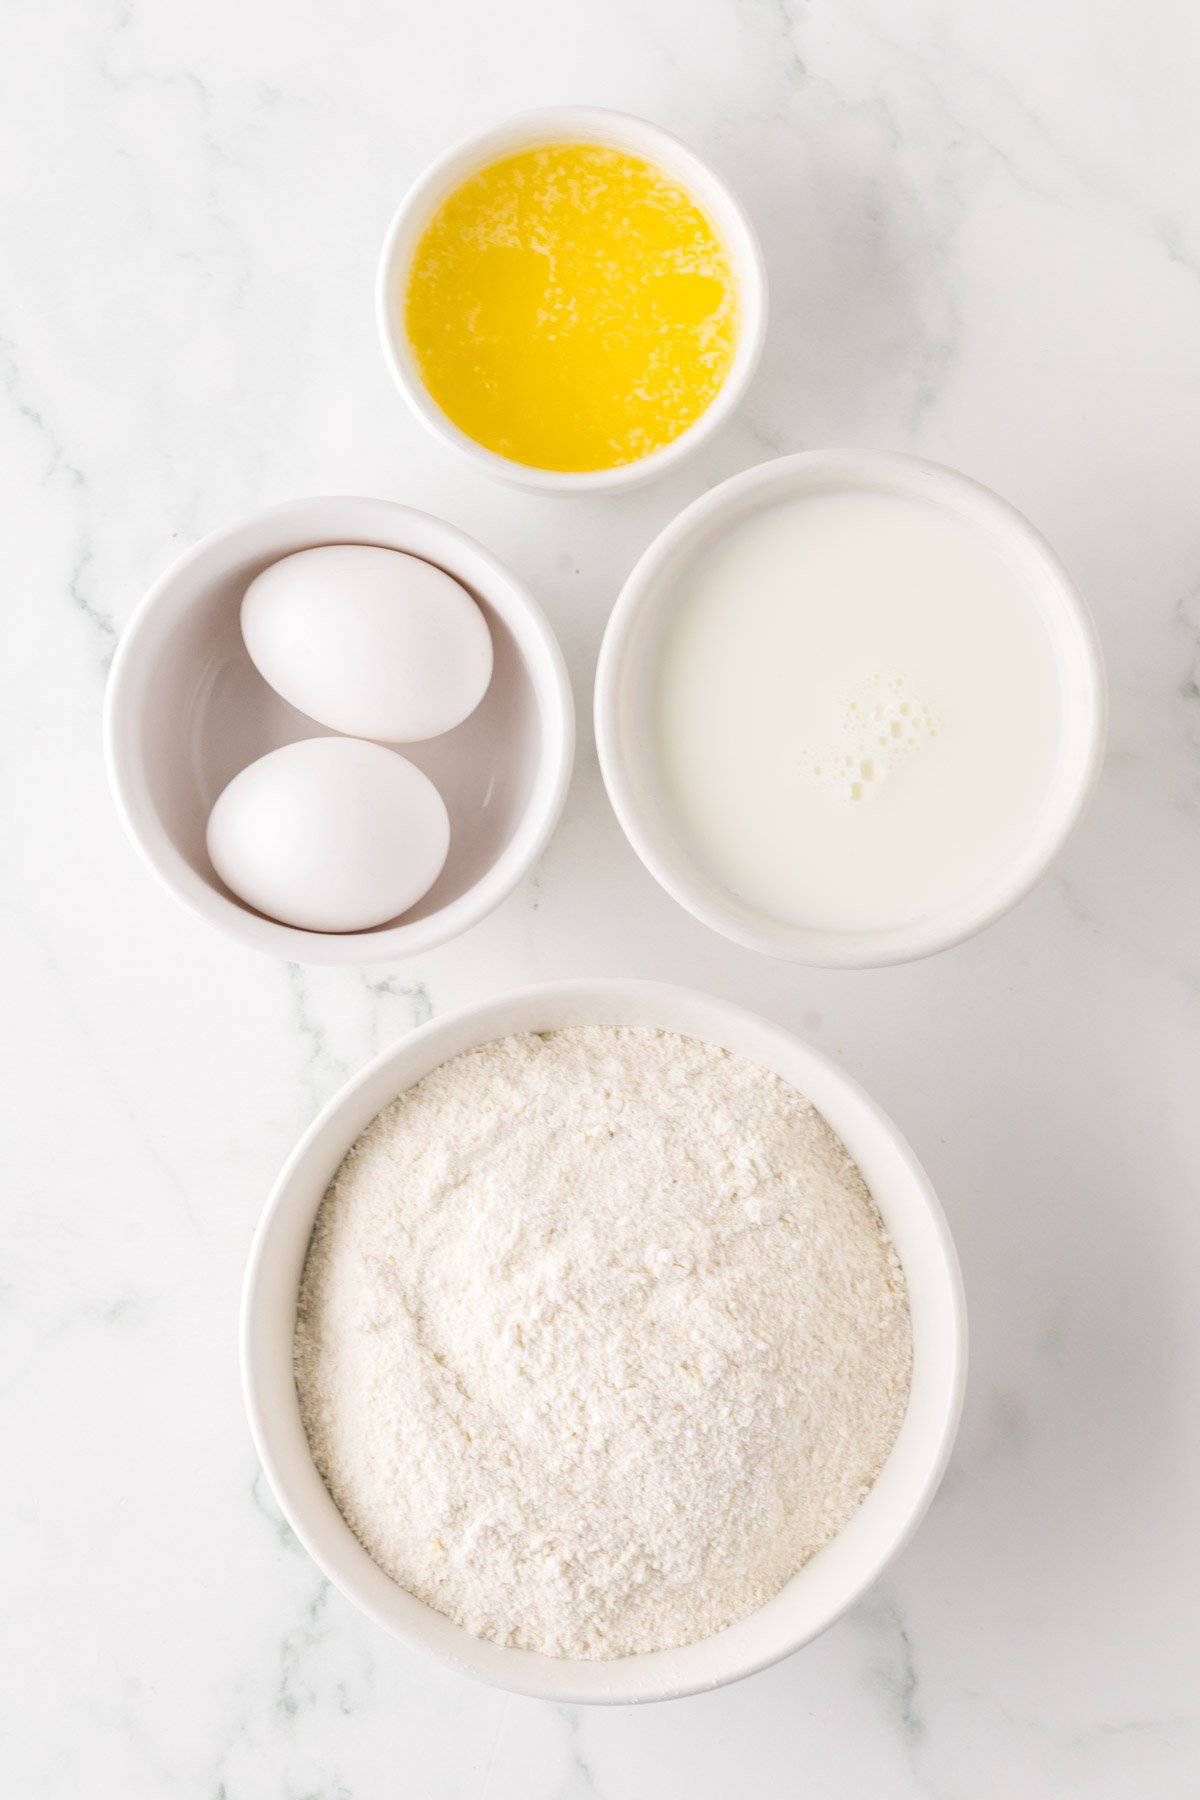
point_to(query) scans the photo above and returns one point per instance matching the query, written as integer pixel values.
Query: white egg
(330, 834)
(369, 641)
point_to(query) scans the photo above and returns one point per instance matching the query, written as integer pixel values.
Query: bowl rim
(327, 1538)
(1084, 709)
(588, 123)
(132, 665)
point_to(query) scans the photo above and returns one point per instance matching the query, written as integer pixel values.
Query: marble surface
(983, 234)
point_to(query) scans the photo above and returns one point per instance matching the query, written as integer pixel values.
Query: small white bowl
(827, 1585)
(186, 710)
(574, 124)
(624, 685)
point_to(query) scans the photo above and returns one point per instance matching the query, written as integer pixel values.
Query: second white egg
(330, 834)
(368, 641)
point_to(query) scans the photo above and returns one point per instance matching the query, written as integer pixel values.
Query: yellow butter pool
(571, 307)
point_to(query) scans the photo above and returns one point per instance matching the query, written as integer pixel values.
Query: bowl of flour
(604, 1340)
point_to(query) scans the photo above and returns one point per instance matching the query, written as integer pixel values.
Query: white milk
(858, 711)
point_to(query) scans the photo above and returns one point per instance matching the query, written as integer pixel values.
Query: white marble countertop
(983, 234)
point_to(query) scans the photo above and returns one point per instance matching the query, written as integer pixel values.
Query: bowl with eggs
(339, 730)
(572, 299)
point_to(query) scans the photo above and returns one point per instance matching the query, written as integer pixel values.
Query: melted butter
(571, 307)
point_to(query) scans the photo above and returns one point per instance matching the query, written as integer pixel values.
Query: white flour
(600, 1338)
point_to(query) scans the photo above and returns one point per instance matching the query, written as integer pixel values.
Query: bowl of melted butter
(572, 299)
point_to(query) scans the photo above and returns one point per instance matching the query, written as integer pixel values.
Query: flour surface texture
(600, 1338)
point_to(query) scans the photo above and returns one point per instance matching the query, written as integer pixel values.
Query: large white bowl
(624, 703)
(574, 124)
(186, 709)
(834, 1578)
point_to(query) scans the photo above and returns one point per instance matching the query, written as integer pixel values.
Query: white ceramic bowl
(587, 124)
(186, 710)
(625, 684)
(836, 1577)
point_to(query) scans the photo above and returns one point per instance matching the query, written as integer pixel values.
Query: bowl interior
(627, 677)
(835, 1577)
(587, 125)
(192, 710)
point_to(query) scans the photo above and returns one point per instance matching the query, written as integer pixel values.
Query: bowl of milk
(849, 706)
